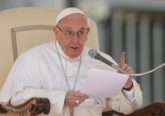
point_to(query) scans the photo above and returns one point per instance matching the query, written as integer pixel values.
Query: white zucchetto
(67, 12)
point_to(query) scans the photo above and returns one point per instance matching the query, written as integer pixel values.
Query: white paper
(103, 84)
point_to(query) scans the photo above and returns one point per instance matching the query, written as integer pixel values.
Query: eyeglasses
(70, 34)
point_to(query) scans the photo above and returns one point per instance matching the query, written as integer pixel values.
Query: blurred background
(134, 26)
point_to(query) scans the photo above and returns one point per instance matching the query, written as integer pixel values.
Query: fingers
(126, 67)
(123, 58)
(74, 98)
(123, 65)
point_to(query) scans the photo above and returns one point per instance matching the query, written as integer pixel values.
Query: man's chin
(74, 55)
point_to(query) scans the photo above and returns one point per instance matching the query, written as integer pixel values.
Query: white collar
(61, 52)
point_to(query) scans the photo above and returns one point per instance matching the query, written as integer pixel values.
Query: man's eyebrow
(82, 28)
(68, 27)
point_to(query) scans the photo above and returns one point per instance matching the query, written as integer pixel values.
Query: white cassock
(38, 73)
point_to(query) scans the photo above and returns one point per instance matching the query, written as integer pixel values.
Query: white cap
(67, 12)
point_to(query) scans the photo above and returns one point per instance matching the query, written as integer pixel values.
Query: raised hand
(125, 67)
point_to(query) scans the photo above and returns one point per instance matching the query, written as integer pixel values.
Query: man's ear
(56, 32)
(88, 29)
(55, 29)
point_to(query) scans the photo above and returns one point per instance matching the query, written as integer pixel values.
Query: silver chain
(71, 108)
(65, 72)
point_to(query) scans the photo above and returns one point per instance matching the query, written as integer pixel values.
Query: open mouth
(74, 48)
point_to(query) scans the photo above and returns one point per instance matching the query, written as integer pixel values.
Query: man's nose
(75, 37)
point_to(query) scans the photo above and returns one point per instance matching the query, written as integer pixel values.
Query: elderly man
(57, 70)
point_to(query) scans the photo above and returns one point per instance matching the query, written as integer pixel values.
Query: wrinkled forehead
(74, 19)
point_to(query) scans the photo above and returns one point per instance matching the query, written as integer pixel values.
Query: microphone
(94, 54)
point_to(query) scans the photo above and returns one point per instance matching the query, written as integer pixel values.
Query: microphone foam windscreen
(92, 53)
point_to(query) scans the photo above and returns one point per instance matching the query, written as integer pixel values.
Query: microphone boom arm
(139, 74)
(94, 54)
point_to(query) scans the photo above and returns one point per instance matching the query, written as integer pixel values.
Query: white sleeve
(25, 80)
(56, 98)
(130, 95)
(122, 104)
